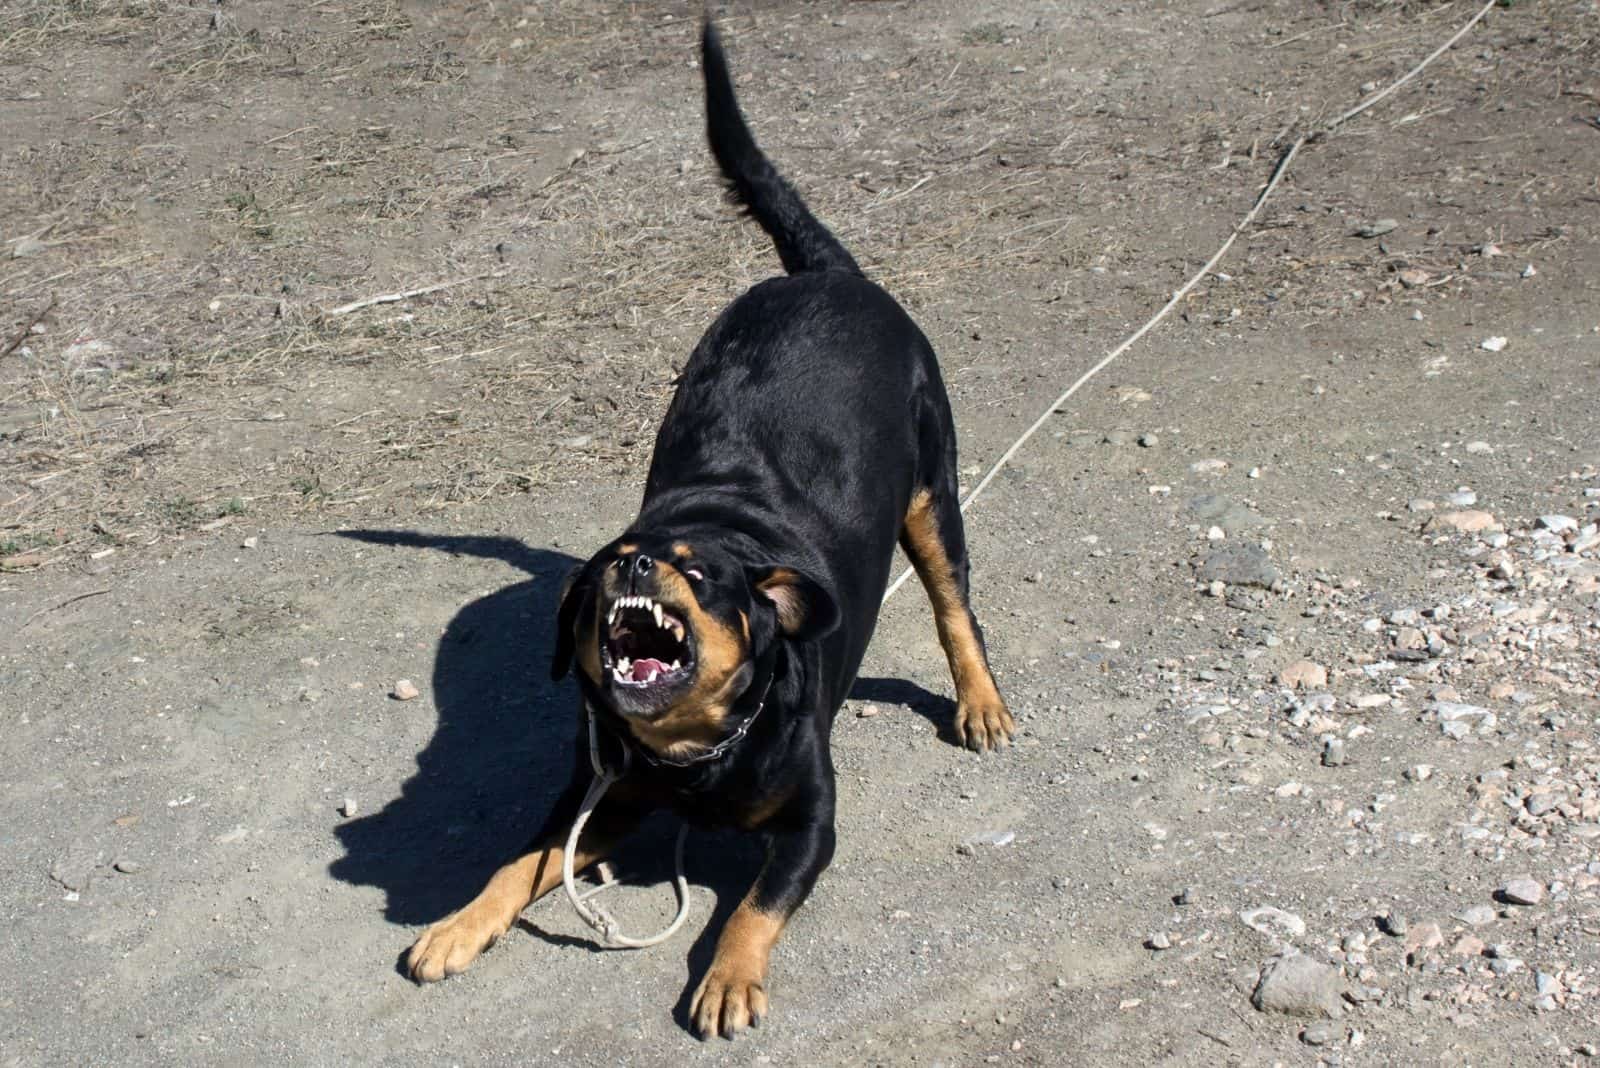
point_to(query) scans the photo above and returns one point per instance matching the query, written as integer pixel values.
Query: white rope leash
(1250, 216)
(604, 925)
(596, 917)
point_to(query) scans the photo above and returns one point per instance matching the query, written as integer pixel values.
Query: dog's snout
(642, 565)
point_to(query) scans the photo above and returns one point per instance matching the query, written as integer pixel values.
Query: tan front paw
(985, 723)
(453, 943)
(730, 999)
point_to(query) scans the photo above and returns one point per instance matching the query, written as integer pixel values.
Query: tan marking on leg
(982, 720)
(455, 941)
(733, 994)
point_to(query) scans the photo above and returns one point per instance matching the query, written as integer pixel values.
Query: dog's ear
(576, 589)
(805, 610)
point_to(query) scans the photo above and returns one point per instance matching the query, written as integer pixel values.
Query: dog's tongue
(646, 670)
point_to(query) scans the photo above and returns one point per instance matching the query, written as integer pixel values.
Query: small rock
(867, 711)
(1467, 946)
(1410, 638)
(27, 246)
(1394, 923)
(128, 867)
(1304, 675)
(1522, 892)
(1529, 271)
(1159, 941)
(1238, 564)
(1212, 466)
(1545, 983)
(1461, 498)
(1273, 922)
(251, 542)
(1333, 754)
(348, 807)
(994, 839)
(1371, 700)
(1411, 277)
(1478, 915)
(1296, 985)
(1558, 524)
(1479, 448)
(1540, 803)
(1149, 441)
(1422, 937)
(1377, 228)
(1216, 589)
(1492, 344)
(406, 690)
(1419, 773)
(1321, 1034)
(1470, 521)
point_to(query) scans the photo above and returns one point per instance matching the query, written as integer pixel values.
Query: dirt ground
(1298, 604)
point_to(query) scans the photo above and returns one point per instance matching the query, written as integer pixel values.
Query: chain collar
(649, 756)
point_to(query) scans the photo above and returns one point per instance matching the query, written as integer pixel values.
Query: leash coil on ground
(604, 924)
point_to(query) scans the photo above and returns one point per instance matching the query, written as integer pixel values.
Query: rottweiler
(719, 635)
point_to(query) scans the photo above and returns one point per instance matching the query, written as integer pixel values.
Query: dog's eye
(694, 573)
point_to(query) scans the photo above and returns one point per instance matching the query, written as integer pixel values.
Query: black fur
(805, 421)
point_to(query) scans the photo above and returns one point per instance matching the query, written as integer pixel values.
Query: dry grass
(189, 373)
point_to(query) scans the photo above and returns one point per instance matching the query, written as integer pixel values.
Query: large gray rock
(1296, 985)
(1238, 565)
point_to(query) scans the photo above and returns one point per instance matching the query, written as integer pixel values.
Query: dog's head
(668, 631)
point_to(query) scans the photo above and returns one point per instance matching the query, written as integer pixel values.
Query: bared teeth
(655, 610)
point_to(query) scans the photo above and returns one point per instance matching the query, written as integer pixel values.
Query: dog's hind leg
(455, 941)
(933, 538)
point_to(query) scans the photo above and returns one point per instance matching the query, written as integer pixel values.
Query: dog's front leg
(455, 941)
(733, 994)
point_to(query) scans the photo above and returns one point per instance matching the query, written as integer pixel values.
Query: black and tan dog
(719, 635)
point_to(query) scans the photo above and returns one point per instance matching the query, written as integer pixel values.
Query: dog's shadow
(935, 708)
(500, 752)
(503, 749)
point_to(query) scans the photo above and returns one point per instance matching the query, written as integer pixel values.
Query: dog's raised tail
(803, 243)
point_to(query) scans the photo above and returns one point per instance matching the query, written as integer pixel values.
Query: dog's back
(811, 409)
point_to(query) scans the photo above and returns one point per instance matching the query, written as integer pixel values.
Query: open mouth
(646, 644)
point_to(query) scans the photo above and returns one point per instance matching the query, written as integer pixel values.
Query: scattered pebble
(867, 711)
(1159, 941)
(1209, 467)
(993, 839)
(1273, 922)
(1321, 1034)
(1522, 891)
(128, 867)
(348, 807)
(1470, 521)
(1377, 228)
(406, 690)
(1333, 754)
(1304, 675)
(1492, 344)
